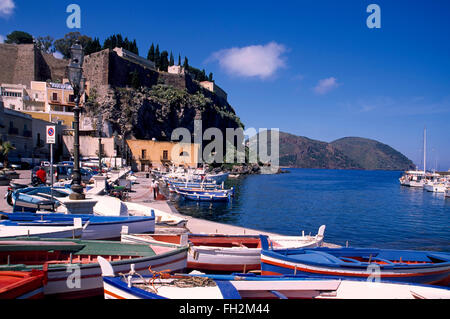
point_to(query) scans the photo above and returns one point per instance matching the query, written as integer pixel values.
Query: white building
(176, 69)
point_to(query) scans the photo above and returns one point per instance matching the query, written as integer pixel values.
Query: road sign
(51, 134)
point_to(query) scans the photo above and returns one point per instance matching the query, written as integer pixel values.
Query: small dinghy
(249, 286)
(226, 253)
(22, 284)
(426, 267)
(72, 266)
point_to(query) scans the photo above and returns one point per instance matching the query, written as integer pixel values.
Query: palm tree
(5, 148)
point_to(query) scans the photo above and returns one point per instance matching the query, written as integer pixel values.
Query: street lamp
(75, 73)
(99, 129)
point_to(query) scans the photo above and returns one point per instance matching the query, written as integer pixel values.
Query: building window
(72, 98)
(144, 154)
(55, 96)
(165, 155)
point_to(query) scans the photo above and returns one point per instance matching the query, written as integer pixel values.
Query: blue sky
(310, 68)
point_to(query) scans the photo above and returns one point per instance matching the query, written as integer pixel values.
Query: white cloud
(326, 85)
(252, 61)
(6, 7)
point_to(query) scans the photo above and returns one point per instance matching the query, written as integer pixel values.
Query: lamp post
(99, 128)
(75, 72)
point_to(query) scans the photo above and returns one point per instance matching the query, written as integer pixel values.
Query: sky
(309, 68)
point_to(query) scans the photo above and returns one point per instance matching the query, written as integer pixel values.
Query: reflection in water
(366, 208)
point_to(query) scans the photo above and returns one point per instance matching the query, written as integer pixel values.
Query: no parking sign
(51, 133)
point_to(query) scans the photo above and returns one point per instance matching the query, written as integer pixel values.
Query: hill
(345, 153)
(371, 154)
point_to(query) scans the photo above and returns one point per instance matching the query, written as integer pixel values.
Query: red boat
(22, 284)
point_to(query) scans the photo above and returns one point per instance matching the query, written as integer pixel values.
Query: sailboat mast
(425, 150)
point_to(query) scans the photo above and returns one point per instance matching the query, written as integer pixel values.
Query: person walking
(153, 188)
(156, 189)
(42, 175)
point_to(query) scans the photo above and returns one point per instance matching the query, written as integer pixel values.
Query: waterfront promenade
(141, 194)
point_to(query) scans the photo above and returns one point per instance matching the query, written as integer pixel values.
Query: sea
(359, 208)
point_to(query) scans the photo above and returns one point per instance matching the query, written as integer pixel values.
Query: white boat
(413, 179)
(447, 192)
(241, 286)
(10, 229)
(436, 187)
(219, 252)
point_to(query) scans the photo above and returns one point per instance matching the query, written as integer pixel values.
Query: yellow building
(150, 153)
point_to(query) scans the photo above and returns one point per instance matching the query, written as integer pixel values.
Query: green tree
(45, 44)
(5, 148)
(63, 45)
(93, 46)
(179, 59)
(171, 60)
(157, 57)
(210, 77)
(164, 62)
(135, 81)
(151, 53)
(186, 63)
(19, 37)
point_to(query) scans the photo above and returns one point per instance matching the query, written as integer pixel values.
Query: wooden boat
(201, 191)
(206, 197)
(249, 286)
(226, 253)
(99, 227)
(38, 198)
(11, 229)
(72, 267)
(424, 267)
(22, 284)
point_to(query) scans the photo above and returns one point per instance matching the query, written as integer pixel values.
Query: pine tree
(157, 57)
(171, 61)
(179, 59)
(186, 63)
(151, 53)
(203, 76)
(164, 62)
(210, 77)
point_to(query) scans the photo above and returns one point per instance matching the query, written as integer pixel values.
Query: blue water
(365, 208)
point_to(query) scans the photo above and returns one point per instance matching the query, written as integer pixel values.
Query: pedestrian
(42, 175)
(153, 187)
(156, 189)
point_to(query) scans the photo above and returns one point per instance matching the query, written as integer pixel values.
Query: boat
(22, 284)
(417, 178)
(424, 267)
(98, 227)
(226, 253)
(206, 197)
(436, 184)
(39, 198)
(133, 285)
(201, 191)
(12, 229)
(72, 266)
(447, 192)
(413, 179)
(218, 178)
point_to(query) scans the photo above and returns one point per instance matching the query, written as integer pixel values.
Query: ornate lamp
(75, 73)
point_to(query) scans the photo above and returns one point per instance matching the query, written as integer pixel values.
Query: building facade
(148, 154)
(213, 87)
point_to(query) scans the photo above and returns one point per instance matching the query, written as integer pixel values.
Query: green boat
(72, 267)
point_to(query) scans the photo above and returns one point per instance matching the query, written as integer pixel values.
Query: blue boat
(244, 286)
(426, 267)
(205, 196)
(32, 199)
(201, 191)
(98, 227)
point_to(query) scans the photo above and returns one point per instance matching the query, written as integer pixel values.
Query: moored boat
(72, 267)
(244, 286)
(12, 229)
(205, 197)
(22, 284)
(98, 227)
(426, 267)
(226, 253)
